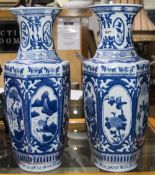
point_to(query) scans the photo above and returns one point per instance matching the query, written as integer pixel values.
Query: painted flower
(116, 122)
(90, 110)
(90, 106)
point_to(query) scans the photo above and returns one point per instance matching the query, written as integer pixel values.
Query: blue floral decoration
(116, 123)
(90, 106)
(90, 110)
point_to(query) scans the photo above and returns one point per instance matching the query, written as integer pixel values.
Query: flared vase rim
(34, 8)
(116, 5)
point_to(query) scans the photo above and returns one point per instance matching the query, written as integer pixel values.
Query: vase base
(39, 167)
(116, 167)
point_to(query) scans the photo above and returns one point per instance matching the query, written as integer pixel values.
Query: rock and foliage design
(15, 111)
(44, 115)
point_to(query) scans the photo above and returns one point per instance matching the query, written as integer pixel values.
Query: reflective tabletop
(76, 157)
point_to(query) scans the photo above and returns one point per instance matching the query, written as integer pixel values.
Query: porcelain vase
(116, 91)
(37, 92)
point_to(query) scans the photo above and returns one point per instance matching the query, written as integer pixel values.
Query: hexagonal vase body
(116, 92)
(37, 93)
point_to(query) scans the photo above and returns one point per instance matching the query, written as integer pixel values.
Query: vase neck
(36, 39)
(115, 37)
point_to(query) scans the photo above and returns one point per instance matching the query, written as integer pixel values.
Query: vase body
(37, 93)
(116, 91)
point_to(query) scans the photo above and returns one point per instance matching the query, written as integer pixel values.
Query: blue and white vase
(116, 91)
(37, 92)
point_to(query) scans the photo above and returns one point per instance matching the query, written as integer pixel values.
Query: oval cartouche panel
(90, 109)
(14, 114)
(142, 111)
(44, 114)
(25, 36)
(120, 31)
(117, 115)
(47, 33)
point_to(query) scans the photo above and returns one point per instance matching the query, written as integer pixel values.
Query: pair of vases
(115, 84)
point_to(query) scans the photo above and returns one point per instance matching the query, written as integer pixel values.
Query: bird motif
(111, 100)
(119, 103)
(119, 27)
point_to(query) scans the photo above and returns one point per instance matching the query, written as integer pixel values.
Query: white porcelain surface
(77, 4)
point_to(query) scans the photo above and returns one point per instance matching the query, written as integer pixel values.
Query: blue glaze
(116, 91)
(37, 93)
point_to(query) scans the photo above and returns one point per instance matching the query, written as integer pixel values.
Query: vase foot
(116, 167)
(39, 167)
